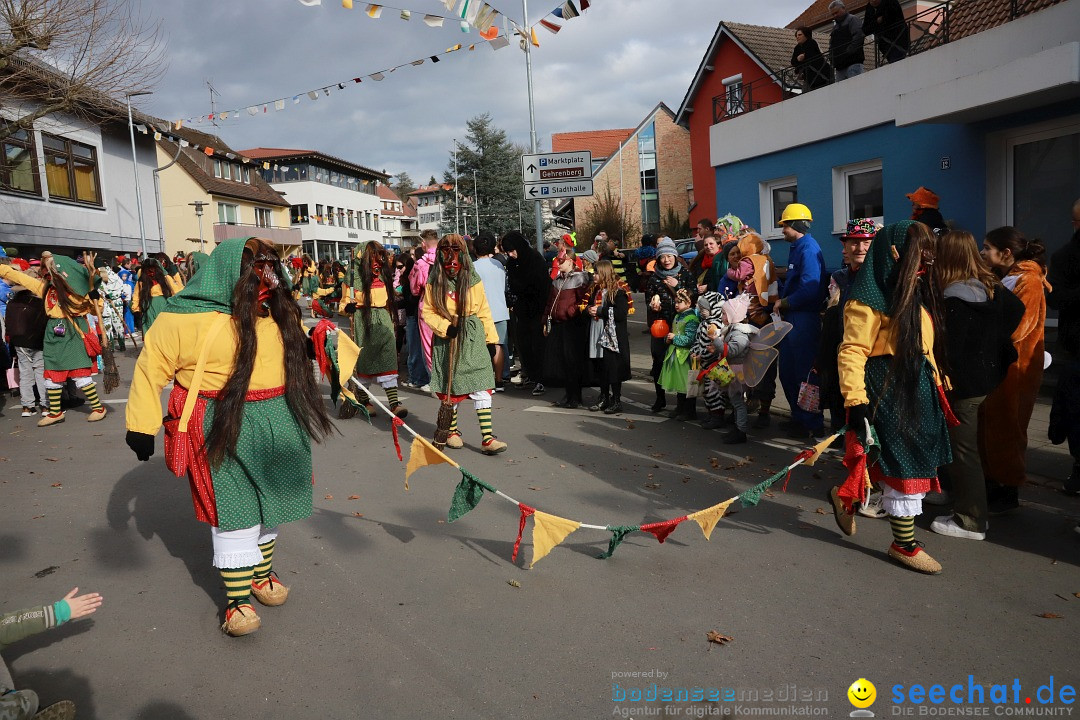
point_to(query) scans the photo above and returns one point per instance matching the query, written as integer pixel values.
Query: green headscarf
(211, 289)
(354, 275)
(74, 273)
(875, 282)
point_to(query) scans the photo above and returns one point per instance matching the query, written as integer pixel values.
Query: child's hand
(82, 605)
(670, 337)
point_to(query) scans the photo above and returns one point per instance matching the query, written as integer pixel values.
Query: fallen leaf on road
(354, 497)
(328, 497)
(630, 425)
(53, 459)
(715, 462)
(652, 486)
(356, 514)
(3, 459)
(47, 571)
(37, 517)
(769, 494)
(533, 487)
(513, 583)
(1049, 616)
(1076, 595)
(57, 485)
(717, 638)
(657, 454)
(821, 511)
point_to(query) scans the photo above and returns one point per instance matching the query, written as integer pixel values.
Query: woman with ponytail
(892, 372)
(247, 448)
(367, 297)
(67, 290)
(1006, 412)
(464, 340)
(153, 289)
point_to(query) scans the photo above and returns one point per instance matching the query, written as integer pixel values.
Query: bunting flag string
(564, 11)
(470, 14)
(551, 530)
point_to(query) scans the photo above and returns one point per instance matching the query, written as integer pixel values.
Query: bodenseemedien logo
(861, 694)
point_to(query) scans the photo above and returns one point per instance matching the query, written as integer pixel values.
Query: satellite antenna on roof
(213, 109)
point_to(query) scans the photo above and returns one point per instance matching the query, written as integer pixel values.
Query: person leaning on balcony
(884, 19)
(810, 65)
(845, 42)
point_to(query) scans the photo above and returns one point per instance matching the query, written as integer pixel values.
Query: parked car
(687, 249)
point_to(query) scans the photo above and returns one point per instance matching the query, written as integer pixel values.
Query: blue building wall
(911, 156)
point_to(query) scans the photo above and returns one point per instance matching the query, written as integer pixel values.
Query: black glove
(309, 345)
(856, 417)
(350, 308)
(94, 295)
(452, 331)
(296, 287)
(141, 443)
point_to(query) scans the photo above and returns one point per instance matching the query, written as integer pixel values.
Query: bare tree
(73, 56)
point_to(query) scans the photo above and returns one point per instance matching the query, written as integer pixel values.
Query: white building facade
(429, 209)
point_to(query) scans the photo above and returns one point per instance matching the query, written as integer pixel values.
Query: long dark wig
(152, 272)
(442, 284)
(374, 252)
(301, 393)
(69, 301)
(916, 288)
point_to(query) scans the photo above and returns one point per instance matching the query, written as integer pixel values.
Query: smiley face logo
(862, 693)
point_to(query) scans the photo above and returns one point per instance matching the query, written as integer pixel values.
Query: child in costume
(64, 285)
(676, 365)
(710, 308)
(566, 332)
(367, 298)
(112, 304)
(731, 342)
(890, 377)
(247, 448)
(14, 626)
(609, 304)
(456, 309)
(153, 288)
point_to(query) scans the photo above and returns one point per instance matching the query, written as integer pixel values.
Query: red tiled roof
(196, 164)
(260, 152)
(386, 193)
(602, 143)
(430, 189)
(818, 13)
(971, 16)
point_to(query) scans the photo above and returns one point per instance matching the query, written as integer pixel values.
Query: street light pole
(532, 119)
(135, 164)
(199, 205)
(457, 198)
(476, 201)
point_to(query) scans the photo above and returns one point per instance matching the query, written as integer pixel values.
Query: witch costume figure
(241, 415)
(367, 298)
(892, 376)
(65, 287)
(464, 340)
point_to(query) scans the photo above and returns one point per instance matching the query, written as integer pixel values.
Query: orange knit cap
(924, 198)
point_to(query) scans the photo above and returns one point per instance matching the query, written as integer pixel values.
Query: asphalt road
(395, 613)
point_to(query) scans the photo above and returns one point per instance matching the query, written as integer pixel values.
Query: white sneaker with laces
(29, 412)
(873, 507)
(947, 525)
(425, 388)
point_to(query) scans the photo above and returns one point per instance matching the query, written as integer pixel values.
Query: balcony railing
(926, 30)
(276, 235)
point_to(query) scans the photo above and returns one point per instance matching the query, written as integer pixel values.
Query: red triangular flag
(526, 511)
(662, 529)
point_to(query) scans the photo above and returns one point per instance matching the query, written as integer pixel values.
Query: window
(736, 97)
(227, 213)
(341, 217)
(376, 222)
(774, 196)
(351, 223)
(18, 163)
(71, 170)
(858, 192)
(217, 168)
(319, 217)
(264, 217)
(298, 214)
(247, 175)
(330, 214)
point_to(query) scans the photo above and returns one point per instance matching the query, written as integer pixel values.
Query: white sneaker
(947, 525)
(29, 412)
(426, 388)
(873, 507)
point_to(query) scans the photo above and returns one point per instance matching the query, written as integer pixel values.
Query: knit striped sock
(91, 394)
(903, 530)
(484, 416)
(54, 400)
(262, 570)
(238, 584)
(392, 396)
(453, 424)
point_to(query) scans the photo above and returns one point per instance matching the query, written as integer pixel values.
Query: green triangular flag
(618, 532)
(752, 497)
(467, 495)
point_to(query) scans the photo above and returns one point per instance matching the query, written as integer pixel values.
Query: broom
(111, 374)
(446, 408)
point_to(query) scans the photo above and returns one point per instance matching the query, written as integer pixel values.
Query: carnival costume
(367, 298)
(155, 277)
(259, 474)
(464, 339)
(64, 287)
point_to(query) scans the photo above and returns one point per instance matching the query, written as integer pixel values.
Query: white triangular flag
(433, 20)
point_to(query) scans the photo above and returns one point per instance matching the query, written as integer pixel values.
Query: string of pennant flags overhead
(495, 29)
(336, 361)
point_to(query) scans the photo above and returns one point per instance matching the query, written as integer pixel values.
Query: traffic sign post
(557, 175)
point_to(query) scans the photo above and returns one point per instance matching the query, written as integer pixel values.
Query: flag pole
(532, 118)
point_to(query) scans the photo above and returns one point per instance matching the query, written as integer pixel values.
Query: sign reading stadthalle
(553, 175)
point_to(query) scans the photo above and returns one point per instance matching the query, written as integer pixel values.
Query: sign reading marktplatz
(556, 175)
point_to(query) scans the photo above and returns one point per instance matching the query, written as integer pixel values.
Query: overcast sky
(604, 69)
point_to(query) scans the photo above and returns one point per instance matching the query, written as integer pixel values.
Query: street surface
(395, 613)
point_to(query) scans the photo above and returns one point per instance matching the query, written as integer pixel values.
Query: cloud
(604, 69)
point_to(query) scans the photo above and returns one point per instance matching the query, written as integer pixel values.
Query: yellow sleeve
(435, 321)
(483, 311)
(156, 366)
(346, 298)
(135, 305)
(14, 277)
(861, 327)
(176, 283)
(323, 292)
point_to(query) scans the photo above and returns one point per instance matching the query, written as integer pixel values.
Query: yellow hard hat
(796, 211)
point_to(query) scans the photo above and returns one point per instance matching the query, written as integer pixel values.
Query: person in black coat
(529, 283)
(810, 65)
(1064, 278)
(884, 19)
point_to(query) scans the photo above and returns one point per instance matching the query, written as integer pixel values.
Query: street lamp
(199, 205)
(476, 201)
(135, 164)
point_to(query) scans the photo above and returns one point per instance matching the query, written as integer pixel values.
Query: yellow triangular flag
(820, 448)
(422, 454)
(347, 4)
(532, 33)
(549, 531)
(348, 352)
(708, 517)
